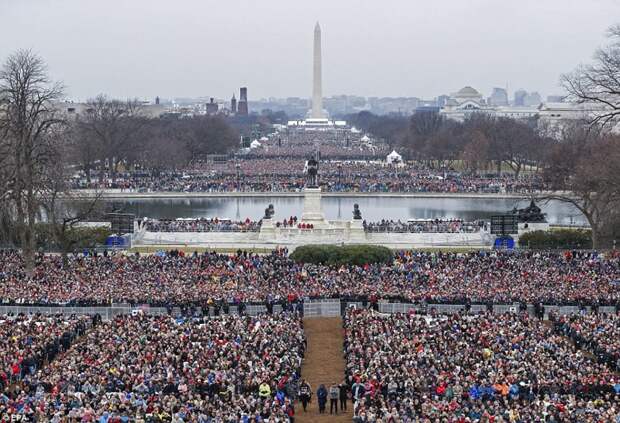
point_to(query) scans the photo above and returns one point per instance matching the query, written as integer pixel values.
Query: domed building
(464, 102)
(467, 94)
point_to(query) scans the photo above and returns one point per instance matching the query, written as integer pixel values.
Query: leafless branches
(598, 83)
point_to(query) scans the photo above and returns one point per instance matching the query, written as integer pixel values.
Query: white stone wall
(294, 237)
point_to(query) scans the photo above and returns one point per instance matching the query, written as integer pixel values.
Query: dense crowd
(165, 369)
(459, 368)
(300, 148)
(285, 175)
(28, 342)
(598, 333)
(433, 225)
(212, 278)
(200, 225)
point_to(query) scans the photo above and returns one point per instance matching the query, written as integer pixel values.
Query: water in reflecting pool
(372, 208)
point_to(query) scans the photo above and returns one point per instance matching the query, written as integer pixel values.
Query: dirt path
(323, 364)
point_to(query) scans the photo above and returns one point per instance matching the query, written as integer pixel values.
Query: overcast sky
(144, 48)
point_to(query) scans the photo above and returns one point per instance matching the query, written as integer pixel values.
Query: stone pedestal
(533, 226)
(267, 230)
(356, 230)
(313, 213)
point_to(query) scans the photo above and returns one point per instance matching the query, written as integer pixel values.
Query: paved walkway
(323, 364)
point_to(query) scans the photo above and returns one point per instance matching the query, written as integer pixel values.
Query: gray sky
(144, 48)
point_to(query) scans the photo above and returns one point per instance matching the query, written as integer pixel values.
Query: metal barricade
(447, 308)
(322, 308)
(505, 308)
(391, 308)
(478, 308)
(255, 310)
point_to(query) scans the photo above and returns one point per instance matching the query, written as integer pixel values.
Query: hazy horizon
(194, 48)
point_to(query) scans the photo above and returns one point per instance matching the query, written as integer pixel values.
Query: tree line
(111, 133)
(41, 147)
(481, 143)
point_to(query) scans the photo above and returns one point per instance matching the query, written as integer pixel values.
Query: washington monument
(317, 96)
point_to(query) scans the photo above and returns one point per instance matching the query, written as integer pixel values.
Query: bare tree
(27, 96)
(85, 147)
(113, 126)
(599, 82)
(583, 171)
(65, 208)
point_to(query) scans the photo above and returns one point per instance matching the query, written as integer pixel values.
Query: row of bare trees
(111, 132)
(40, 149)
(480, 142)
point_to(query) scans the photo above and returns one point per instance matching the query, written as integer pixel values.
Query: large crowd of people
(205, 364)
(482, 368)
(176, 278)
(28, 342)
(430, 225)
(596, 332)
(200, 225)
(166, 369)
(286, 175)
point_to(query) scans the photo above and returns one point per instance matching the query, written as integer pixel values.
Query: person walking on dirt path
(334, 394)
(344, 392)
(321, 397)
(305, 394)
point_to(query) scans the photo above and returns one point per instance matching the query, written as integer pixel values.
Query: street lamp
(238, 167)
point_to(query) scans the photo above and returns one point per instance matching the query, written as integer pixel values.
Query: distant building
(520, 98)
(72, 110)
(463, 103)
(242, 105)
(233, 105)
(428, 109)
(533, 99)
(212, 107)
(499, 97)
(442, 100)
(555, 98)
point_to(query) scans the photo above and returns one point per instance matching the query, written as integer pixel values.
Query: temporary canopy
(255, 144)
(394, 157)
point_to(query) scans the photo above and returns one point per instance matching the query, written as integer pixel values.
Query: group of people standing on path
(337, 394)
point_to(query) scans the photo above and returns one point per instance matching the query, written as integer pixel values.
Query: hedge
(358, 255)
(557, 239)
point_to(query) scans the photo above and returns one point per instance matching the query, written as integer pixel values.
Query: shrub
(557, 239)
(358, 255)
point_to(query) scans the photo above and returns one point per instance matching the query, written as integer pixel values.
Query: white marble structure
(339, 232)
(317, 82)
(313, 212)
(323, 232)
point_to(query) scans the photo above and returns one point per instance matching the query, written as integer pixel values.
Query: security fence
(332, 307)
(106, 313)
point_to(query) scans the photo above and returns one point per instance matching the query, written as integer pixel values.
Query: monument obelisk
(317, 85)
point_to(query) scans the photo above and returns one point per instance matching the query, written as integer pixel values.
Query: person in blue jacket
(321, 396)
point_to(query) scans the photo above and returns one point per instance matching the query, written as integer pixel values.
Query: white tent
(394, 157)
(263, 139)
(255, 144)
(365, 138)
